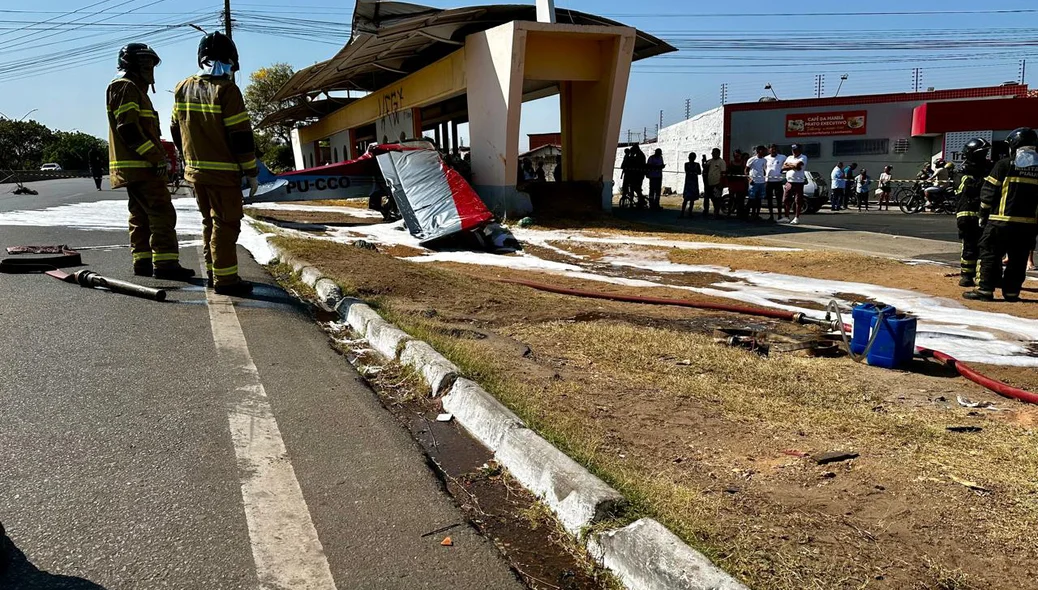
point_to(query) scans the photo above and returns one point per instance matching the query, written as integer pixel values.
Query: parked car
(51, 166)
(816, 191)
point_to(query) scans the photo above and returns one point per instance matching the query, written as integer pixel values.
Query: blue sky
(723, 45)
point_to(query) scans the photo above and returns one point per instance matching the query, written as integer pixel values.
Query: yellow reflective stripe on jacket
(235, 119)
(127, 107)
(1014, 219)
(130, 164)
(967, 214)
(228, 166)
(985, 205)
(139, 256)
(250, 165)
(226, 272)
(145, 147)
(165, 256)
(197, 107)
(993, 180)
(149, 114)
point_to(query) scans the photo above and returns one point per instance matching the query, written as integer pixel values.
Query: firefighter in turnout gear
(211, 129)
(967, 208)
(138, 162)
(1009, 214)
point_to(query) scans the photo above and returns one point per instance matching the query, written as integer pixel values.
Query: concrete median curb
(644, 554)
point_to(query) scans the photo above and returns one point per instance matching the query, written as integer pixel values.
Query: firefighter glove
(253, 185)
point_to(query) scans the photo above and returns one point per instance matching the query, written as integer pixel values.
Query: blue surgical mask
(217, 69)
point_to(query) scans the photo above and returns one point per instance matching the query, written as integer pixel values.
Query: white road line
(285, 546)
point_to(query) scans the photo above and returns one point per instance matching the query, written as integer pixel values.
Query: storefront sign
(955, 141)
(817, 124)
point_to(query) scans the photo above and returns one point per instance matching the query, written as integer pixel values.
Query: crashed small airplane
(438, 205)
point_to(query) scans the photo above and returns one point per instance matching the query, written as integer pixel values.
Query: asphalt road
(139, 441)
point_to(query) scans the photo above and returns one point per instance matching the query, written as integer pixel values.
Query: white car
(51, 166)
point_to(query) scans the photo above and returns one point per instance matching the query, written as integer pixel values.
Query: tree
(264, 83)
(22, 144)
(71, 149)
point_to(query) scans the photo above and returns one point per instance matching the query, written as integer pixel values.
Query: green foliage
(71, 149)
(264, 83)
(280, 159)
(22, 144)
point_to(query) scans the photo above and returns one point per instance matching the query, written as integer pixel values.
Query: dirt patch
(717, 442)
(1022, 377)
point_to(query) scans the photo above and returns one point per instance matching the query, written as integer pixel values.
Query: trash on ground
(966, 403)
(834, 457)
(964, 429)
(445, 417)
(447, 542)
(969, 484)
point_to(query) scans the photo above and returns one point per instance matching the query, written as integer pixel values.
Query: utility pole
(227, 18)
(819, 85)
(630, 134)
(724, 94)
(1023, 71)
(660, 126)
(917, 79)
(688, 108)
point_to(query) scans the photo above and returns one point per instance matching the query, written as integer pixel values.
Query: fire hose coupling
(92, 280)
(830, 324)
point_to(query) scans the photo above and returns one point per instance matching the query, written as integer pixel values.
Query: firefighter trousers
(969, 235)
(1013, 240)
(153, 221)
(221, 209)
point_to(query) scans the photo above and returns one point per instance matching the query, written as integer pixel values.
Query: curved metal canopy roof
(393, 39)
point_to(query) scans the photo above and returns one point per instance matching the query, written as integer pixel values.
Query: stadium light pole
(768, 87)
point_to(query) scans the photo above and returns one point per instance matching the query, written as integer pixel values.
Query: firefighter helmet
(1022, 137)
(217, 47)
(130, 56)
(976, 150)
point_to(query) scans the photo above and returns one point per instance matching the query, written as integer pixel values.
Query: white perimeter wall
(700, 134)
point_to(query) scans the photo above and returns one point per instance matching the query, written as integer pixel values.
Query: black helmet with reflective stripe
(130, 56)
(976, 150)
(219, 47)
(1022, 136)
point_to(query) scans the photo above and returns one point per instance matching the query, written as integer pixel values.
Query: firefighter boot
(238, 289)
(967, 281)
(978, 295)
(173, 273)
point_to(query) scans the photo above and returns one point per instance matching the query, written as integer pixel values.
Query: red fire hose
(1003, 389)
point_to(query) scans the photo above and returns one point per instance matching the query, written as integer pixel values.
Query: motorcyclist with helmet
(967, 207)
(1009, 216)
(941, 179)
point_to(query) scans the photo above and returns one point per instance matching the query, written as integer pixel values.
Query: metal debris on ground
(969, 484)
(444, 417)
(767, 343)
(964, 428)
(966, 403)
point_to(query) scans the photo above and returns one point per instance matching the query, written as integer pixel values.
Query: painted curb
(644, 554)
(571, 491)
(485, 418)
(437, 371)
(386, 338)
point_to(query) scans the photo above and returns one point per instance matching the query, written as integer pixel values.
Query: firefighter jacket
(211, 127)
(1010, 194)
(134, 149)
(968, 202)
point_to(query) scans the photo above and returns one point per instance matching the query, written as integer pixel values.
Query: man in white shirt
(795, 168)
(757, 169)
(838, 184)
(775, 179)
